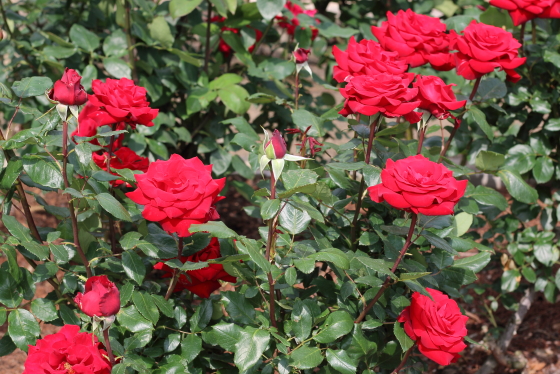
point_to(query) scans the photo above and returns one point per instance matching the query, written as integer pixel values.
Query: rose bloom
(483, 48)
(68, 90)
(123, 158)
(101, 297)
(120, 100)
(522, 11)
(436, 97)
(178, 193)
(438, 327)
(385, 94)
(223, 46)
(365, 58)
(90, 119)
(201, 282)
(291, 24)
(417, 38)
(67, 351)
(416, 184)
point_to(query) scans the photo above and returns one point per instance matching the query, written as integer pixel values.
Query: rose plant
(359, 245)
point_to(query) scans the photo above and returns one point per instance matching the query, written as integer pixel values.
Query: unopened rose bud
(101, 297)
(301, 55)
(68, 90)
(276, 147)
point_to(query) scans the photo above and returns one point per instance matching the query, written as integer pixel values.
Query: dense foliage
(142, 115)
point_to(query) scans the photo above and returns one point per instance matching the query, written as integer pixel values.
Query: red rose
(204, 281)
(68, 90)
(67, 351)
(385, 94)
(290, 24)
(365, 58)
(223, 46)
(123, 158)
(101, 297)
(483, 48)
(120, 100)
(436, 97)
(301, 55)
(522, 11)
(437, 326)
(416, 184)
(417, 38)
(178, 193)
(91, 117)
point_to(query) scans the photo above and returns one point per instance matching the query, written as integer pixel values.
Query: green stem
(386, 284)
(534, 31)
(176, 272)
(269, 245)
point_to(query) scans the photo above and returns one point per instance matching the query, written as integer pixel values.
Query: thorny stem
(457, 120)
(393, 269)
(354, 230)
(534, 31)
(108, 347)
(70, 202)
(176, 272)
(405, 358)
(130, 42)
(112, 236)
(207, 47)
(269, 244)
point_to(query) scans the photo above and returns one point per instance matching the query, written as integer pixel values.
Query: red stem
(405, 358)
(269, 244)
(108, 347)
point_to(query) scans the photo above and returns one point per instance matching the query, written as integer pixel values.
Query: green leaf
(293, 219)
(115, 44)
(337, 324)
(201, 316)
(475, 263)
(191, 346)
(112, 205)
(341, 362)
(217, 229)
(250, 347)
(394, 130)
(375, 265)
(68, 315)
(491, 88)
(138, 340)
(84, 38)
(297, 178)
(7, 346)
(16, 229)
(360, 346)
(270, 208)
(133, 321)
(23, 328)
(32, 86)
(270, 8)
(225, 81)
(509, 280)
(43, 172)
(306, 357)
(163, 305)
(220, 159)
(333, 255)
(517, 187)
(234, 99)
(239, 308)
(44, 310)
(180, 8)
(117, 67)
(160, 32)
(133, 266)
(475, 115)
(489, 196)
(255, 253)
(405, 342)
(463, 222)
(303, 119)
(302, 320)
(531, 276)
(226, 335)
(543, 169)
(145, 305)
(438, 242)
(487, 160)
(11, 173)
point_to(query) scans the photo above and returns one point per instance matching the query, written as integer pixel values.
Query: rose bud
(276, 147)
(301, 55)
(101, 297)
(68, 90)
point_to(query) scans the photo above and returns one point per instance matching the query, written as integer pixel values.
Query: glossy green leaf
(133, 266)
(23, 328)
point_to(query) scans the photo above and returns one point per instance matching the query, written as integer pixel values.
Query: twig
(108, 347)
(12, 119)
(5, 19)
(130, 42)
(393, 269)
(176, 272)
(260, 41)
(405, 358)
(207, 51)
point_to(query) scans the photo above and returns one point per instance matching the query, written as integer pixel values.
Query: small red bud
(276, 147)
(301, 55)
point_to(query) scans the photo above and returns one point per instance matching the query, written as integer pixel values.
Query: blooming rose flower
(67, 351)
(483, 48)
(385, 94)
(68, 90)
(416, 184)
(522, 11)
(201, 282)
(101, 297)
(276, 147)
(178, 193)
(120, 100)
(301, 55)
(436, 97)
(365, 58)
(223, 46)
(417, 38)
(437, 326)
(90, 119)
(123, 158)
(291, 24)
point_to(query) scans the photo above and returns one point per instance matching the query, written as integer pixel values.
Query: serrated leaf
(23, 328)
(133, 266)
(145, 305)
(113, 206)
(250, 347)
